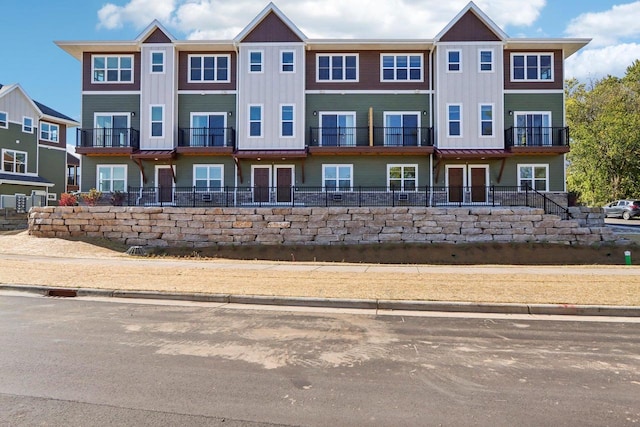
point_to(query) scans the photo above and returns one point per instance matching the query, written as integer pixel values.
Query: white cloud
(202, 19)
(597, 63)
(608, 27)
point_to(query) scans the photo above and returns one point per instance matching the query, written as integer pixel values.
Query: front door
(261, 184)
(455, 182)
(283, 184)
(165, 185)
(478, 184)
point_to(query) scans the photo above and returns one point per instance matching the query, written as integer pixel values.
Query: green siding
(89, 170)
(53, 167)
(110, 104)
(205, 104)
(28, 144)
(184, 169)
(11, 189)
(553, 102)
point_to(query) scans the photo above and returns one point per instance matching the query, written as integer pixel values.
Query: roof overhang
(568, 46)
(369, 44)
(462, 153)
(154, 155)
(77, 48)
(270, 154)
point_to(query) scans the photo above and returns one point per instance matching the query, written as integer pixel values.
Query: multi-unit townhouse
(33, 141)
(277, 112)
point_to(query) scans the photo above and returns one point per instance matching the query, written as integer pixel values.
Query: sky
(51, 76)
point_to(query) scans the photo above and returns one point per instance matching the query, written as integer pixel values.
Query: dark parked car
(626, 209)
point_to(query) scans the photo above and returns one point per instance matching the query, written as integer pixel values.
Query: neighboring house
(33, 139)
(469, 109)
(73, 177)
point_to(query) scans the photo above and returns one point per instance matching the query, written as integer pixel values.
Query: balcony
(206, 140)
(376, 140)
(537, 140)
(114, 141)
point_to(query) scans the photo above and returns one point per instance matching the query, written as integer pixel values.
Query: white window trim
(50, 125)
(402, 113)
(261, 52)
(492, 63)
(282, 64)
(493, 120)
(408, 55)
(337, 166)
(533, 166)
(6, 125)
(338, 113)
(524, 113)
(208, 166)
(207, 113)
(293, 121)
(331, 79)
(109, 114)
(449, 121)
(538, 54)
(249, 121)
(26, 161)
(402, 179)
(112, 166)
(151, 122)
(459, 61)
(133, 65)
(215, 80)
(151, 64)
(24, 127)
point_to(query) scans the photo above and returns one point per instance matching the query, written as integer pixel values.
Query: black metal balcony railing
(207, 137)
(359, 136)
(108, 138)
(352, 197)
(537, 137)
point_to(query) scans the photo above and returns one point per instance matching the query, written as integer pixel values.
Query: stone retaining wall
(200, 227)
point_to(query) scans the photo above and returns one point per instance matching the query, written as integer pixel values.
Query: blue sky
(51, 76)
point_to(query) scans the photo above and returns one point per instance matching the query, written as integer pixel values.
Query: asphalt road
(79, 362)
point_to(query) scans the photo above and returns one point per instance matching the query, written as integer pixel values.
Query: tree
(604, 119)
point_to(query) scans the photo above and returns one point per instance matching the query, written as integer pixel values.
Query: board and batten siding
(158, 89)
(271, 89)
(469, 88)
(17, 106)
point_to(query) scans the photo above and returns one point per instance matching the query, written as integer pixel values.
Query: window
(454, 115)
(337, 129)
(486, 120)
(157, 121)
(209, 68)
(486, 61)
(27, 125)
(532, 67)
(112, 130)
(49, 132)
(208, 130)
(534, 176)
(337, 67)
(255, 61)
(208, 177)
(533, 129)
(401, 67)
(113, 69)
(287, 61)
(401, 129)
(111, 178)
(337, 177)
(4, 120)
(14, 161)
(402, 177)
(157, 62)
(454, 61)
(286, 120)
(255, 120)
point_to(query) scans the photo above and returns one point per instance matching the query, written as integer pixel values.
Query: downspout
(432, 96)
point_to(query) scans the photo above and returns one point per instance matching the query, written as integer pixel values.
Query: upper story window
(337, 67)
(454, 61)
(486, 120)
(112, 69)
(14, 161)
(4, 120)
(255, 121)
(27, 125)
(485, 61)
(286, 120)
(532, 67)
(209, 68)
(454, 120)
(49, 132)
(255, 61)
(401, 67)
(157, 62)
(157, 121)
(287, 61)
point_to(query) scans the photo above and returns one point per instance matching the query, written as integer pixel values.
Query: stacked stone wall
(200, 227)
